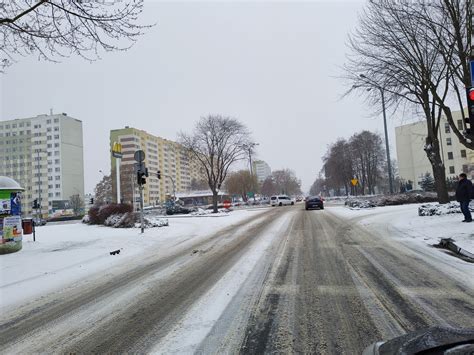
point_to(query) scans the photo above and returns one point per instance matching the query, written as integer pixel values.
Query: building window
(56, 145)
(59, 186)
(57, 169)
(48, 121)
(58, 194)
(56, 120)
(56, 161)
(58, 177)
(450, 156)
(460, 126)
(463, 153)
(448, 141)
(465, 169)
(451, 169)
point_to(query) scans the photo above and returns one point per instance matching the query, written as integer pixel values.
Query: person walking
(463, 196)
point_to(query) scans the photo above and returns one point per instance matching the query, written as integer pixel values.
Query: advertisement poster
(15, 204)
(12, 230)
(5, 203)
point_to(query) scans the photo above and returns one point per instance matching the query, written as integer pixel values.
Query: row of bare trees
(361, 157)
(416, 53)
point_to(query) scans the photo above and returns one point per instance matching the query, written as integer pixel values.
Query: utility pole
(38, 166)
(389, 163)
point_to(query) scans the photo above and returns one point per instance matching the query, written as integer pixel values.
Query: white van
(280, 200)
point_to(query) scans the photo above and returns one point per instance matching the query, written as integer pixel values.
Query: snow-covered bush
(440, 209)
(125, 220)
(99, 214)
(86, 219)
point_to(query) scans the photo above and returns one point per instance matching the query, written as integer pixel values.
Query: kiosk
(11, 231)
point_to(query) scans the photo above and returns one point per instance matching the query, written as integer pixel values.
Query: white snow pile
(202, 212)
(432, 209)
(151, 222)
(131, 220)
(358, 204)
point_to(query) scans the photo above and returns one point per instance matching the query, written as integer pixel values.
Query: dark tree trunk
(215, 197)
(439, 173)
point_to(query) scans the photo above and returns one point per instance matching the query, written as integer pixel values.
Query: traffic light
(91, 201)
(35, 203)
(470, 105)
(142, 174)
(158, 174)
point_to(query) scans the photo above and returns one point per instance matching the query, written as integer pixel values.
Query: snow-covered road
(271, 280)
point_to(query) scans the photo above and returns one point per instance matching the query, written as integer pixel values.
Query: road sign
(117, 150)
(139, 156)
(354, 182)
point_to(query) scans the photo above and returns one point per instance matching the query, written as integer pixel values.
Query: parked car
(314, 202)
(281, 200)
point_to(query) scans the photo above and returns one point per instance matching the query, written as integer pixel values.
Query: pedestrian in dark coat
(463, 196)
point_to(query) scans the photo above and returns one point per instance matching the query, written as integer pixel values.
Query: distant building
(262, 170)
(161, 154)
(412, 160)
(45, 155)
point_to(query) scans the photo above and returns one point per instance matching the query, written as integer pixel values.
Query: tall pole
(117, 163)
(389, 163)
(141, 208)
(38, 208)
(250, 161)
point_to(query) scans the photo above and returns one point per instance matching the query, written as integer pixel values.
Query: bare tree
(241, 183)
(198, 184)
(286, 182)
(103, 191)
(52, 29)
(217, 142)
(391, 52)
(268, 187)
(318, 187)
(76, 203)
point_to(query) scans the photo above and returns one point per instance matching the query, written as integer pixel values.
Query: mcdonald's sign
(117, 150)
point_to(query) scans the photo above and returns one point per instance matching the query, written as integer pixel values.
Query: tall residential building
(45, 155)
(262, 170)
(412, 160)
(160, 154)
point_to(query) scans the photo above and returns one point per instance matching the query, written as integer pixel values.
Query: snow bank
(66, 253)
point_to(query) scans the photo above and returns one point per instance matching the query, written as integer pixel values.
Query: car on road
(314, 202)
(281, 200)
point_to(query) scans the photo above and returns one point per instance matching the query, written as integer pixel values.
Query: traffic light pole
(387, 148)
(141, 208)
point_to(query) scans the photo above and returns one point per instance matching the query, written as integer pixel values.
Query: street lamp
(249, 147)
(382, 94)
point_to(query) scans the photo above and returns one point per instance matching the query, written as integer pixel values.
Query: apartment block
(44, 154)
(262, 170)
(161, 154)
(412, 160)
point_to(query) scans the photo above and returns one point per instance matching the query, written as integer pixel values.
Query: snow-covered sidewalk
(403, 222)
(64, 253)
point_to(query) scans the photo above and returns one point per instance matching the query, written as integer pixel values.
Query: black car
(314, 202)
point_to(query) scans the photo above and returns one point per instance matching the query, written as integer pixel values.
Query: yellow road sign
(354, 182)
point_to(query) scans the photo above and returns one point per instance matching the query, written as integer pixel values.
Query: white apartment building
(44, 154)
(262, 170)
(412, 160)
(161, 154)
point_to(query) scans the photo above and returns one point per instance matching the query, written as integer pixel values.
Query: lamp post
(382, 94)
(249, 147)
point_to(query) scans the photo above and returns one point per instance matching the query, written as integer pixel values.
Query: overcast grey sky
(270, 64)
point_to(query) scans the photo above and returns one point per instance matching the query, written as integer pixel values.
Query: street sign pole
(117, 163)
(141, 209)
(140, 158)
